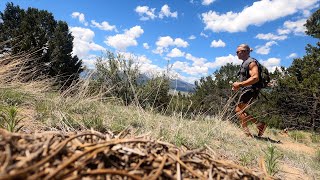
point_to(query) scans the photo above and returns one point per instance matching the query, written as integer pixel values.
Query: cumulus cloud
(192, 37)
(218, 43)
(89, 61)
(83, 42)
(146, 45)
(207, 2)
(223, 60)
(191, 70)
(103, 26)
(80, 17)
(145, 12)
(175, 52)
(165, 12)
(271, 64)
(196, 60)
(292, 55)
(164, 42)
(271, 36)
(295, 27)
(257, 14)
(265, 49)
(127, 39)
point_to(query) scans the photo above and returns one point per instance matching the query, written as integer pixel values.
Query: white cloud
(165, 12)
(218, 43)
(265, 49)
(145, 12)
(270, 36)
(80, 16)
(295, 27)
(122, 41)
(159, 50)
(137, 59)
(192, 37)
(257, 14)
(83, 42)
(292, 55)
(191, 70)
(146, 45)
(223, 60)
(103, 26)
(90, 61)
(180, 42)
(207, 2)
(271, 64)
(175, 52)
(196, 61)
(204, 35)
(164, 42)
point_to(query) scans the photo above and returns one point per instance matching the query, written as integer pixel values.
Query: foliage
(211, 93)
(154, 94)
(272, 159)
(11, 97)
(38, 33)
(313, 25)
(318, 155)
(297, 136)
(315, 137)
(9, 119)
(117, 76)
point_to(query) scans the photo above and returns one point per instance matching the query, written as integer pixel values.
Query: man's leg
(244, 118)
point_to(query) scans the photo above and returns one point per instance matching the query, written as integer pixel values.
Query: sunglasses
(240, 51)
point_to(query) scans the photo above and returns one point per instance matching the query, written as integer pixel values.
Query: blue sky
(193, 37)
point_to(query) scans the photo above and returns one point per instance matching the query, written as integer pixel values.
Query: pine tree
(36, 31)
(63, 65)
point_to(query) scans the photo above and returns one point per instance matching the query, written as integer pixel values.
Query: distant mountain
(177, 85)
(180, 85)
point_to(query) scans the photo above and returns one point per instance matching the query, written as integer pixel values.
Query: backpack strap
(246, 63)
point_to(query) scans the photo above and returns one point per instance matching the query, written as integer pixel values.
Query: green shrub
(297, 136)
(315, 138)
(94, 122)
(11, 97)
(246, 158)
(9, 119)
(318, 155)
(272, 159)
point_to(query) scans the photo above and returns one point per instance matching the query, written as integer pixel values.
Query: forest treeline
(293, 100)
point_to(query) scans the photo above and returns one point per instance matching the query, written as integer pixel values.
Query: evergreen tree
(63, 64)
(37, 32)
(212, 94)
(300, 107)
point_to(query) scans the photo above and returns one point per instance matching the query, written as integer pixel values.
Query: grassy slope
(44, 110)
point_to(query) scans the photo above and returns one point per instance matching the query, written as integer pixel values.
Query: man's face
(242, 53)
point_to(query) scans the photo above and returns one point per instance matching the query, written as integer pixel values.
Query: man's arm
(254, 77)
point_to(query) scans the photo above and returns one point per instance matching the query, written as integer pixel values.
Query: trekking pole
(264, 96)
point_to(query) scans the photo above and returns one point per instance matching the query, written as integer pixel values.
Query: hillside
(46, 112)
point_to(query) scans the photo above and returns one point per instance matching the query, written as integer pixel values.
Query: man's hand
(236, 86)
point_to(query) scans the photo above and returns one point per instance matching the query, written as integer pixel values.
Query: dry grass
(77, 109)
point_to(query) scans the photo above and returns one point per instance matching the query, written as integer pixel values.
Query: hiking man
(249, 90)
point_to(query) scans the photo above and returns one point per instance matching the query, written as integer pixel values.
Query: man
(249, 77)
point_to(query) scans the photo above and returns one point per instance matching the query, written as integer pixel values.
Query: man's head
(243, 51)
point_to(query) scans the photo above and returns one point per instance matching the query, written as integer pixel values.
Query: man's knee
(240, 107)
(237, 109)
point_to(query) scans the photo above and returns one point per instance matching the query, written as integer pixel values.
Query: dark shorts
(248, 96)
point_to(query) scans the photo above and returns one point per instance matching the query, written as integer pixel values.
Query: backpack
(264, 75)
